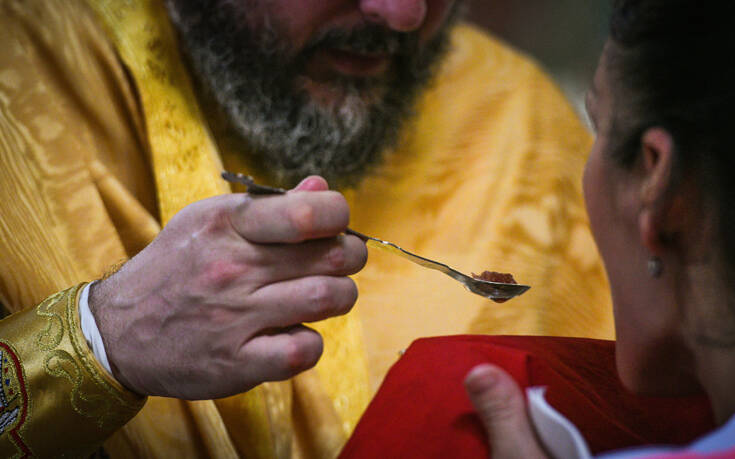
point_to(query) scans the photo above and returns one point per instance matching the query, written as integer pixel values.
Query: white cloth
(90, 330)
(559, 436)
(562, 439)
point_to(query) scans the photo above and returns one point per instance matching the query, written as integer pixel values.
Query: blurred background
(564, 36)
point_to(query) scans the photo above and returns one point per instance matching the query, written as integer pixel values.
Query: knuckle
(299, 355)
(213, 212)
(208, 226)
(218, 219)
(220, 273)
(244, 221)
(338, 200)
(322, 298)
(348, 256)
(333, 296)
(302, 218)
(246, 227)
(336, 258)
(254, 256)
(342, 209)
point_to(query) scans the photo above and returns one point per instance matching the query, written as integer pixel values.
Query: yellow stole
(186, 167)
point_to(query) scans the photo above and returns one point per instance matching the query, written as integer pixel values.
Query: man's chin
(334, 96)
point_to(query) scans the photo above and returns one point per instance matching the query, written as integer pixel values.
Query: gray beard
(253, 81)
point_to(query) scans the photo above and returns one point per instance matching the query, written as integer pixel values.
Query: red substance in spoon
(492, 276)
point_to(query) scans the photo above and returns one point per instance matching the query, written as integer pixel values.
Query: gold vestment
(102, 140)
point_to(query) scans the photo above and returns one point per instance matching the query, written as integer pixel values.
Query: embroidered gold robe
(101, 142)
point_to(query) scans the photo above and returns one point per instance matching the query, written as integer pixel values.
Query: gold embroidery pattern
(78, 368)
(61, 364)
(51, 337)
(92, 370)
(14, 399)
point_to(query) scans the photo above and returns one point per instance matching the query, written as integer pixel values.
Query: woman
(659, 188)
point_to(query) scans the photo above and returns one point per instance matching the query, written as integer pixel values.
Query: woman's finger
(502, 409)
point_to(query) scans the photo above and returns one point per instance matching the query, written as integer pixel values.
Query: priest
(116, 120)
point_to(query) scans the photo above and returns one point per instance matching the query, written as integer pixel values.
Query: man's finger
(306, 299)
(291, 218)
(281, 355)
(502, 409)
(340, 256)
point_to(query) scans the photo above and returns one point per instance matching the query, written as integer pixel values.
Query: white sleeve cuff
(90, 330)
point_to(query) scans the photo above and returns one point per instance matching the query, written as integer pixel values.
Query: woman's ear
(656, 203)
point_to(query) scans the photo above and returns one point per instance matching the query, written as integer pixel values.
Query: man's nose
(399, 15)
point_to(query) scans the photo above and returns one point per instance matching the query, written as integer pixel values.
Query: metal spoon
(497, 291)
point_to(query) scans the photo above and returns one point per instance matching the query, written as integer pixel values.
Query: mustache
(368, 39)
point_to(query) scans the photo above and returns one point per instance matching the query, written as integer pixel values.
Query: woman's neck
(709, 327)
(716, 370)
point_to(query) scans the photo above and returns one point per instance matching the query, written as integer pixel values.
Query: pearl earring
(655, 267)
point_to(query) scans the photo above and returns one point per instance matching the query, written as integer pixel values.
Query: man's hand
(214, 306)
(502, 409)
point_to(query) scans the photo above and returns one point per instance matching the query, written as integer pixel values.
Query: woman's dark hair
(671, 64)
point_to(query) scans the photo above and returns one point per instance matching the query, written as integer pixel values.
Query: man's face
(314, 86)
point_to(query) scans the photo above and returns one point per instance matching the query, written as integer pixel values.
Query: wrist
(98, 292)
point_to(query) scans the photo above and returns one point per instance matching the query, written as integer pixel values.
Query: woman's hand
(502, 409)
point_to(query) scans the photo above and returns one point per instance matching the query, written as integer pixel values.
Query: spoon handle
(492, 290)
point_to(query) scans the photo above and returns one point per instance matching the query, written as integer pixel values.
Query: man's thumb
(502, 409)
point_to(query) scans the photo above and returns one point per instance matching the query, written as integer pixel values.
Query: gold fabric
(186, 169)
(53, 386)
(487, 178)
(101, 139)
(184, 157)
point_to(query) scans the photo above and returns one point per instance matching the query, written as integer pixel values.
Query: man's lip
(357, 64)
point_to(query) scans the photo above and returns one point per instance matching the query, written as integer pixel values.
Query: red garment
(422, 410)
